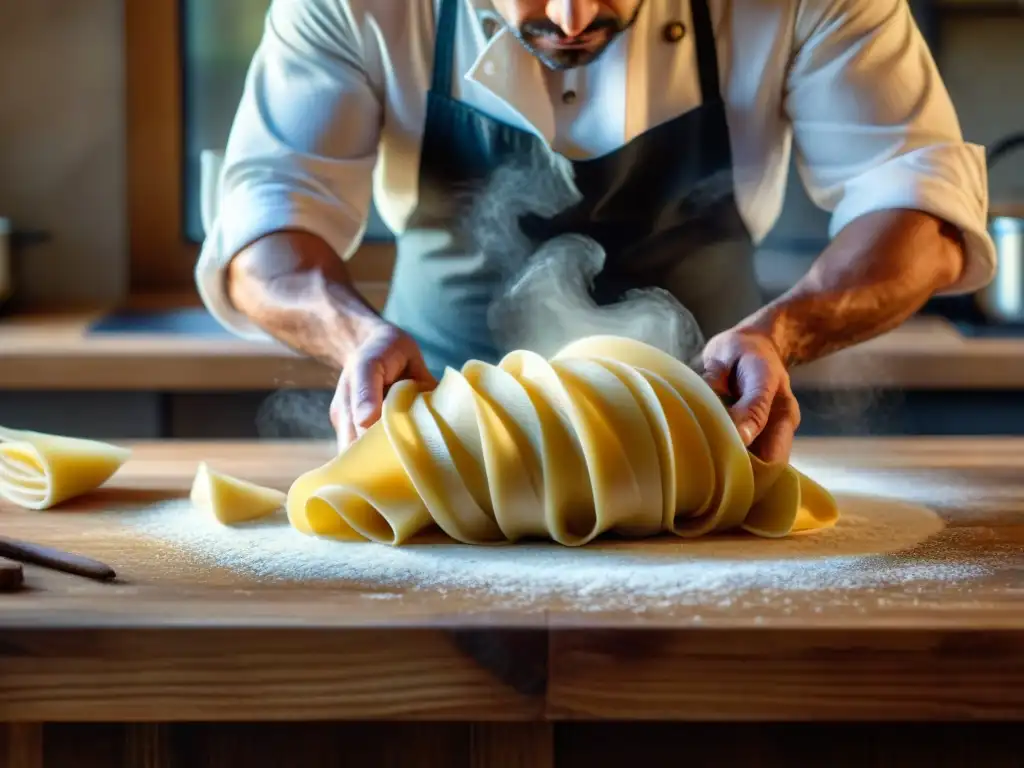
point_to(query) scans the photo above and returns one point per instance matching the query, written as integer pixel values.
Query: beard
(542, 38)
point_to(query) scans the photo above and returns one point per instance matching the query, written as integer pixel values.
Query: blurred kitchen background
(108, 107)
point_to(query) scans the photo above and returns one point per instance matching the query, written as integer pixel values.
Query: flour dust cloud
(295, 414)
(878, 543)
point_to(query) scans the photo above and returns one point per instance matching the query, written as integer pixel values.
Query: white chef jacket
(335, 99)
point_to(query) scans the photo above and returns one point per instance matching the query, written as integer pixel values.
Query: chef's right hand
(386, 355)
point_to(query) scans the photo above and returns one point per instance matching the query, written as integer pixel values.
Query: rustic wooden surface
(173, 668)
(187, 641)
(12, 575)
(50, 350)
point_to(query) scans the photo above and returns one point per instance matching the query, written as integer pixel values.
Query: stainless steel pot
(1002, 300)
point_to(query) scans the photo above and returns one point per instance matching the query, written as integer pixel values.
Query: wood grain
(49, 349)
(181, 640)
(159, 256)
(971, 483)
(148, 745)
(787, 675)
(24, 746)
(573, 745)
(512, 745)
(231, 675)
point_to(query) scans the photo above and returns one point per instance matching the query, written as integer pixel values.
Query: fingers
(758, 382)
(366, 392)
(388, 357)
(417, 371)
(341, 415)
(360, 395)
(775, 443)
(717, 375)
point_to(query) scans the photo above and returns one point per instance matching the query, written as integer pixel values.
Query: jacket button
(674, 31)
(569, 97)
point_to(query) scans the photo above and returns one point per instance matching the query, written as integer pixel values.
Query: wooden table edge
(531, 675)
(927, 353)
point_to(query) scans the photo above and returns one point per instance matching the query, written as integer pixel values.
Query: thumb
(757, 385)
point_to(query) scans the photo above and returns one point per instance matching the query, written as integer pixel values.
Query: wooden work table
(182, 641)
(53, 351)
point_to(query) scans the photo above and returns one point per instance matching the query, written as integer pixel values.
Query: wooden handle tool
(11, 576)
(55, 559)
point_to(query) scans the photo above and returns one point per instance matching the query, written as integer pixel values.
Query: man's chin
(566, 58)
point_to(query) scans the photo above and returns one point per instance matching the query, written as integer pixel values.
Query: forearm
(876, 273)
(297, 289)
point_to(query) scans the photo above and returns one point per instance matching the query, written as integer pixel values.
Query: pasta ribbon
(608, 436)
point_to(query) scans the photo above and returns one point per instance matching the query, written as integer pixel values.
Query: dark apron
(662, 206)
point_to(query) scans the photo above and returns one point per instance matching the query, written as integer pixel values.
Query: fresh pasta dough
(39, 471)
(609, 435)
(231, 500)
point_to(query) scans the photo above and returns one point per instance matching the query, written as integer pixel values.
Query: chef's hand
(386, 355)
(744, 366)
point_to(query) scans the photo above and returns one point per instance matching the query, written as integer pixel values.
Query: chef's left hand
(743, 365)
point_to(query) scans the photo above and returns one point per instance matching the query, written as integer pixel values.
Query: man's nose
(572, 16)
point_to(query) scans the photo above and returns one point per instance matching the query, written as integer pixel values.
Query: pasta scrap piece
(610, 435)
(231, 500)
(39, 471)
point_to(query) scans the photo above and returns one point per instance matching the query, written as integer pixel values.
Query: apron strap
(444, 48)
(707, 54)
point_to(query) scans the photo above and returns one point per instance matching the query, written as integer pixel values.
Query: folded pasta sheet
(231, 500)
(39, 471)
(609, 435)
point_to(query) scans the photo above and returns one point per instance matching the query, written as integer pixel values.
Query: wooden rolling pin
(11, 576)
(55, 559)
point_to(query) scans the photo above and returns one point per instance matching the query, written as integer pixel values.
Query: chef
(421, 104)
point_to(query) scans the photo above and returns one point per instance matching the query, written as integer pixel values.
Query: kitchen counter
(55, 351)
(181, 639)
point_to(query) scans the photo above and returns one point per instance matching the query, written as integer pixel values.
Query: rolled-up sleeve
(875, 128)
(302, 148)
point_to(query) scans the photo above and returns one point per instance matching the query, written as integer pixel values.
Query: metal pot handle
(1004, 147)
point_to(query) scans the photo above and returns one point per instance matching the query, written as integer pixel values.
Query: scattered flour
(878, 543)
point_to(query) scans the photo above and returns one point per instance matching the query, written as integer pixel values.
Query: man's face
(568, 33)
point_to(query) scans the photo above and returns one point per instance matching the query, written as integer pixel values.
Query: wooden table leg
(512, 745)
(24, 745)
(147, 745)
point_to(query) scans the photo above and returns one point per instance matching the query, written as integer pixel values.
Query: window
(218, 41)
(185, 63)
